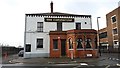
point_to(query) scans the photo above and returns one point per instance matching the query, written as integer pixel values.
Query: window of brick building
(55, 44)
(70, 43)
(115, 31)
(88, 43)
(113, 19)
(79, 43)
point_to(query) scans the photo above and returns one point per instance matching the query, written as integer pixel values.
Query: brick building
(112, 30)
(81, 43)
(103, 39)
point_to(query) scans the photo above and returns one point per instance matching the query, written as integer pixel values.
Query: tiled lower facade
(77, 43)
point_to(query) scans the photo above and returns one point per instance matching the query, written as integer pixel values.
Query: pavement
(106, 59)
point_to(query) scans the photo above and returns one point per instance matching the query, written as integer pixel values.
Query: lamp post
(98, 36)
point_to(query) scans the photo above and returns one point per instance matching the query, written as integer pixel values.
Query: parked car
(21, 53)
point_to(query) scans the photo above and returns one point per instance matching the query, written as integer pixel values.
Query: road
(55, 66)
(107, 60)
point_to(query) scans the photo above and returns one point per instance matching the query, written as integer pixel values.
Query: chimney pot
(51, 4)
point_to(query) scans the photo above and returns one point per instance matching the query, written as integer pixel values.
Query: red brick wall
(74, 35)
(59, 36)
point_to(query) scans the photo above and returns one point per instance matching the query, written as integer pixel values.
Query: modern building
(58, 34)
(112, 30)
(103, 39)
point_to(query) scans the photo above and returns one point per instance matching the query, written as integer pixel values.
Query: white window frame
(112, 17)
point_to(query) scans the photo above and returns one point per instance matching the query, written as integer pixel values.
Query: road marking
(107, 66)
(83, 64)
(118, 64)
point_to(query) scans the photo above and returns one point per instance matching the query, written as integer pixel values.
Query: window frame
(70, 42)
(39, 43)
(55, 46)
(90, 42)
(77, 24)
(113, 17)
(39, 26)
(59, 26)
(79, 40)
(114, 31)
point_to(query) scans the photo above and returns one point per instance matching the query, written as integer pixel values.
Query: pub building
(57, 34)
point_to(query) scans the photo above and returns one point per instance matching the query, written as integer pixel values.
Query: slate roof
(57, 14)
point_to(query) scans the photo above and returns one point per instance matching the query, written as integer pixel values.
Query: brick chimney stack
(51, 5)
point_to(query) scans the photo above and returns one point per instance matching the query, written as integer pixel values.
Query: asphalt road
(57, 66)
(109, 61)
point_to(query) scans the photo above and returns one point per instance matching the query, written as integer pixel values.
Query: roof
(57, 14)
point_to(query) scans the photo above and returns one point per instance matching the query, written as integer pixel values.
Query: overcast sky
(12, 14)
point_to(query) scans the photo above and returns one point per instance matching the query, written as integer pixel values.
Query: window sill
(39, 48)
(80, 49)
(55, 49)
(89, 49)
(39, 31)
(71, 49)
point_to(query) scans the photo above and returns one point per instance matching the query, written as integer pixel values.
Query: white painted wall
(68, 26)
(82, 21)
(52, 26)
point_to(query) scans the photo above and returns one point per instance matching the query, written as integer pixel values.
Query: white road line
(107, 66)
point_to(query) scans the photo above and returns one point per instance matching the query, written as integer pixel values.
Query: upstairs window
(40, 26)
(78, 26)
(59, 26)
(103, 35)
(115, 31)
(114, 19)
(39, 43)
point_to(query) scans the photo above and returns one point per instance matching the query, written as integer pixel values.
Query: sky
(12, 14)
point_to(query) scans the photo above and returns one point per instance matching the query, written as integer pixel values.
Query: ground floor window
(28, 48)
(79, 43)
(40, 43)
(70, 43)
(55, 44)
(116, 44)
(88, 43)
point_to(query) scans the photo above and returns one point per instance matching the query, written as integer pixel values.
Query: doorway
(63, 47)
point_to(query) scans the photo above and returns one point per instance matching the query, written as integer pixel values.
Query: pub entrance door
(63, 47)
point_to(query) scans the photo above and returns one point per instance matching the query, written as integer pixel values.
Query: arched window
(88, 43)
(79, 43)
(70, 43)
